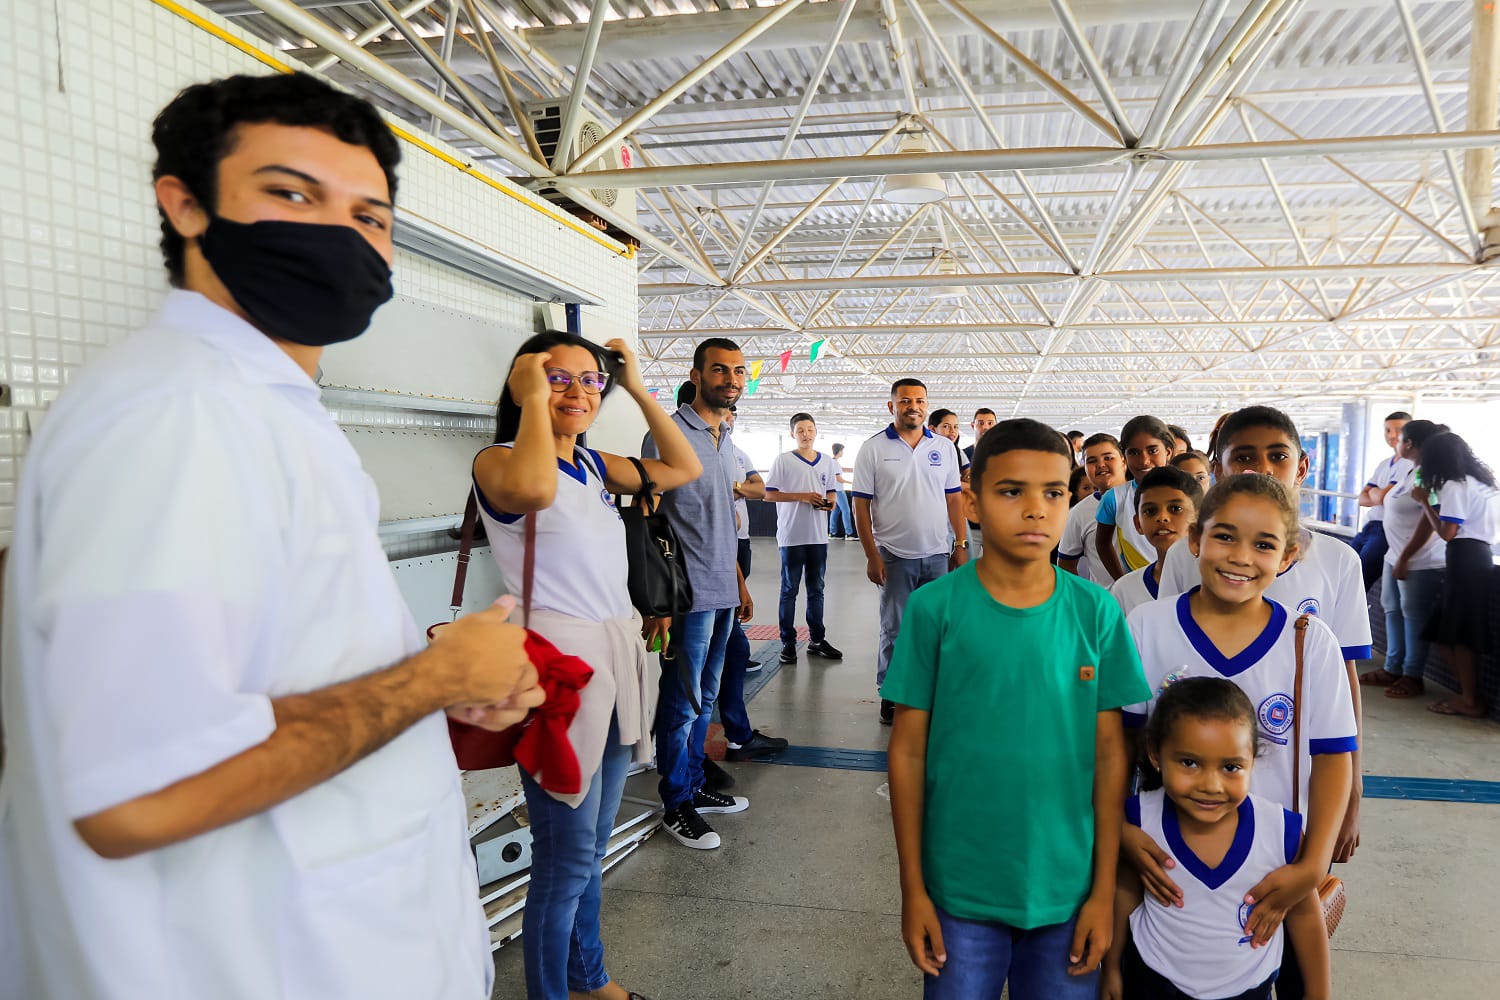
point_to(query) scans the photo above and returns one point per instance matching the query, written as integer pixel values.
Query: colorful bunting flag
(751, 386)
(755, 371)
(812, 353)
(786, 359)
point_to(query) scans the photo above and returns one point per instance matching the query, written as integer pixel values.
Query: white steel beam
(1095, 70)
(1039, 159)
(683, 84)
(1021, 59)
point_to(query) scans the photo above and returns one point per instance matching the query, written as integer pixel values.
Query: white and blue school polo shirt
(1203, 946)
(1135, 588)
(1173, 646)
(1078, 540)
(800, 523)
(1326, 581)
(908, 491)
(1471, 505)
(581, 567)
(1388, 473)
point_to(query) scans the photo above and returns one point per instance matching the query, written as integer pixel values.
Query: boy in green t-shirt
(1007, 760)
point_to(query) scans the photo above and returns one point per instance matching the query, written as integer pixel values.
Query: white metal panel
(420, 348)
(419, 473)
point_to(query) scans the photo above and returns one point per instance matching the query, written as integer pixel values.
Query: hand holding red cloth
(540, 744)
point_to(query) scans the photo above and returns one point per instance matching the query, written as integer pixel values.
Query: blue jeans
(1407, 605)
(560, 928)
(841, 521)
(1371, 545)
(732, 711)
(983, 956)
(700, 639)
(798, 561)
(902, 576)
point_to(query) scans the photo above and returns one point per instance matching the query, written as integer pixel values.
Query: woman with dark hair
(540, 468)
(1413, 570)
(1458, 498)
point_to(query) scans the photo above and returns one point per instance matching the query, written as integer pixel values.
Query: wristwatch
(962, 543)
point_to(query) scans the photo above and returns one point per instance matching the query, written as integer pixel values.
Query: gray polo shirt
(702, 514)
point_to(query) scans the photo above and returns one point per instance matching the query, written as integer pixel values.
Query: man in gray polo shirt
(702, 514)
(906, 487)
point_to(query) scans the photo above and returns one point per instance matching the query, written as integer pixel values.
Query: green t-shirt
(1014, 693)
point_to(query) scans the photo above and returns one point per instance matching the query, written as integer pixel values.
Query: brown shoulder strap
(1301, 627)
(465, 543)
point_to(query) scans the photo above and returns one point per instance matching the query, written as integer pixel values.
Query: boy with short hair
(1039, 716)
(1166, 504)
(1104, 463)
(802, 484)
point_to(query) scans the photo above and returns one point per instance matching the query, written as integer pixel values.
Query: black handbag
(659, 586)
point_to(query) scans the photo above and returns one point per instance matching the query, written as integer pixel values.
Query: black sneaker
(716, 777)
(706, 801)
(759, 745)
(887, 712)
(823, 649)
(789, 653)
(753, 667)
(690, 829)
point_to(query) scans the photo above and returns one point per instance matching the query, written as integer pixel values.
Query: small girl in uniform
(1459, 497)
(1121, 548)
(1228, 627)
(1201, 745)
(1195, 464)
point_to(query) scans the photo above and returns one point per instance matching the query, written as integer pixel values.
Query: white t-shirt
(907, 488)
(195, 537)
(741, 505)
(1402, 517)
(1387, 473)
(800, 523)
(581, 566)
(1116, 512)
(1078, 540)
(1203, 946)
(1472, 506)
(838, 472)
(1325, 581)
(1135, 588)
(1173, 646)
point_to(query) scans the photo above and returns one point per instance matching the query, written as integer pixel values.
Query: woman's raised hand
(630, 371)
(528, 378)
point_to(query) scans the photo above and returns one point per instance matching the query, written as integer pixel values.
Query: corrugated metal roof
(1337, 68)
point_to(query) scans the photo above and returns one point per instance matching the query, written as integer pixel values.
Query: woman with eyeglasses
(539, 465)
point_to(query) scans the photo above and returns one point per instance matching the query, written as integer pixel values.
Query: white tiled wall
(79, 265)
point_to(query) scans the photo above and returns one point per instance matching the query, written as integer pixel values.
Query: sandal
(1379, 677)
(1407, 687)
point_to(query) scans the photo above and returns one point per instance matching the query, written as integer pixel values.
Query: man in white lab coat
(227, 768)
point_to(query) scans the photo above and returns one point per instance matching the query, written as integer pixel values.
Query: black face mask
(310, 284)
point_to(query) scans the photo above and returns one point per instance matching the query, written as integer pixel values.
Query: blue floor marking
(1377, 786)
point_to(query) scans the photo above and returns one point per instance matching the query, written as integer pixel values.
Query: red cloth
(539, 744)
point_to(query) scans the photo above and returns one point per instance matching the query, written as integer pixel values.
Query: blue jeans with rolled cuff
(700, 637)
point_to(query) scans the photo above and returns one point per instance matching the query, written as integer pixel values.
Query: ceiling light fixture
(914, 189)
(948, 265)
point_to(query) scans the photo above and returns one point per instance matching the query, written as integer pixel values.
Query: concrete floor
(802, 900)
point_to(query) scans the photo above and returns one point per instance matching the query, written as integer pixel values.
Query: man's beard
(717, 397)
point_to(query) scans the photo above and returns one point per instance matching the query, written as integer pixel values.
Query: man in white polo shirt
(906, 498)
(227, 768)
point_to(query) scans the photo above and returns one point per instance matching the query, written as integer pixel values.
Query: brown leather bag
(1331, 893)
